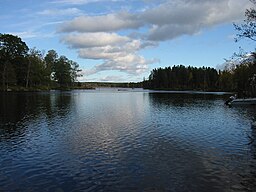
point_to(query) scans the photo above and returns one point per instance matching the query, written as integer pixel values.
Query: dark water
(125, 141)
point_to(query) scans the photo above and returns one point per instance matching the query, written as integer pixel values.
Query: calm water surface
(110, 140)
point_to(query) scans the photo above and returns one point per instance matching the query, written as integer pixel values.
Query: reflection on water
(125, 141)
(18, 109)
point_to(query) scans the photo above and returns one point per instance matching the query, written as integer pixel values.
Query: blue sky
(123, 40)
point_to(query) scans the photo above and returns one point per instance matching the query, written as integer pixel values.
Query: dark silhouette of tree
(50, 60)
(75, 71)
(37, 70)
(62, 72)
(12, 48)
(183, 78)
(248, 28)
(243, 76)
(244, 72)
(22, 67)
(226, 81)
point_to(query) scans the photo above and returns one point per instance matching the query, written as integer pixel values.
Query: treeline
(21, 67)
(241, 78)
(88, 85)
(182, 78)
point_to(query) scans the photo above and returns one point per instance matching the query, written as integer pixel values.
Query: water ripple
(128, 141)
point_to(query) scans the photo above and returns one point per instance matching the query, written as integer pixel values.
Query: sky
(123, 40)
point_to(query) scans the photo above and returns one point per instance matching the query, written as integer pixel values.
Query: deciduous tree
(248, 28)
(11, 48)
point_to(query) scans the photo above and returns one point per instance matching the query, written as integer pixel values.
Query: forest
(183, 78)
(30, 69)
(240, 78)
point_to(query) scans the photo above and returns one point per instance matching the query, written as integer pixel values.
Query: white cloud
(85, 40)
(111, 51)
(32, 34)
(75, 1)
(116, 52)
(167, 32)
(102, 23)
(107, 52)
(97, 38)
(25, 34)
(113, 78)
(181, 17)
(80, 2)
(131, 64)
(122, 57)
(60, 12)
(168, 20)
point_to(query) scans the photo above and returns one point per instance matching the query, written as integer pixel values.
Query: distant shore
(40, 88)
(77, 85)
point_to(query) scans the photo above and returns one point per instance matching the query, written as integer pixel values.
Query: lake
(135, 140)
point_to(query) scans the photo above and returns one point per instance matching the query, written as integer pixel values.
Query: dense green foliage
(24, 67)
(241, 78)
(92, 85)
(13, 53)
(183, 78)
(244, 77)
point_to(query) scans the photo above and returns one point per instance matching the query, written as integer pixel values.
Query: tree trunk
(3, 76)
(28, 72)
